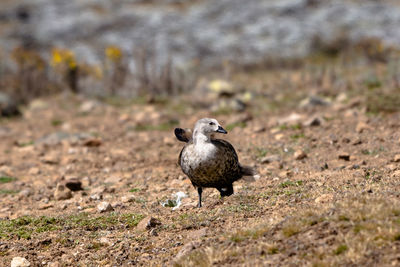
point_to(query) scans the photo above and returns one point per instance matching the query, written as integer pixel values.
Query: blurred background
(133, 48)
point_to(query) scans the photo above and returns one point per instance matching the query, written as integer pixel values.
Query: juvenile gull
(210, 162)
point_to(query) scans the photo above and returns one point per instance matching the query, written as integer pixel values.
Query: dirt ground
(328, 192)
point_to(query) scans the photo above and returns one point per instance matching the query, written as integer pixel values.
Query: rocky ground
(82, 182)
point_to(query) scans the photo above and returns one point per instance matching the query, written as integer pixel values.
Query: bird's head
(209, 126)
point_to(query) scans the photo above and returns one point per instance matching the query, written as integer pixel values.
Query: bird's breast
(196, 156)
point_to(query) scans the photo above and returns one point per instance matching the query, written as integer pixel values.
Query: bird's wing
(226, 147)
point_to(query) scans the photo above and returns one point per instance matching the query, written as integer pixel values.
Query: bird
(209, 162)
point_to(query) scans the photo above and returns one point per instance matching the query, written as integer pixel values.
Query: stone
(127, 199)
(34, 171)
(362, 126)
(269, 159)
(105, 241)
(292, 119)
(8, 106)
(153, 232)
(20, 262)
(396, 158)
(396, 174)
(344, 156)
(25, 193)
(54, 264)
(279, 136)
(104, 207)
(299, 155)
(148, 223)
(92, 142)
(97, 196)
(73, 184)
(313, 101)
(314, 121)
(62, 192)
(186, 249)
(259, 128)
(324, 198)
(89, 106)
(50, 159)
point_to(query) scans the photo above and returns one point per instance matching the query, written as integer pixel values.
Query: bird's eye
(211, 123)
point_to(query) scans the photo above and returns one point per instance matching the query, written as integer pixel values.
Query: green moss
(56, 122)
(6, 179)
(273, 250)
(261, 152)
(297, 136)
(340, 249)
(8, 192)
(26, 226)
(396, 237)
(291, 183)
(134, 190)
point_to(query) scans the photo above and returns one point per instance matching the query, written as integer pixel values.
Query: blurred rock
(50, 159)
(128, 198)
(325, 198)
(396, 158)
(89, 106)
(148, 223)
(105, 241)
(92, 142)
(62, 192)
(299, 155)
(313, 101)
(344, 156)
(362, 126)
(8, 106)
(54, 264)
(34, 171)
(259, 128)
(269, 159)
(186, 249)
(314, 121)
(25, 193)
(292, 119)
(104, 207)
(20, 262)
(38, 104)
(73, 184)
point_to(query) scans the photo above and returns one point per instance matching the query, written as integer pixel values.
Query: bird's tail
(183, 135)
(249, 173)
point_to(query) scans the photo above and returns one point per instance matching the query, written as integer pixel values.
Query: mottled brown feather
(220, 171)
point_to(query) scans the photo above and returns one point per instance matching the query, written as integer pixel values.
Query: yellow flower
(113, 53)
(63, 57)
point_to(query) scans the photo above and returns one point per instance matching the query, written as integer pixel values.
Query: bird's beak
(221, 130)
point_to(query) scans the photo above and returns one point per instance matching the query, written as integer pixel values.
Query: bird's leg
(199, 190)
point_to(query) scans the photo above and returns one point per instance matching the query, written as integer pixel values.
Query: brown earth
(328, 192)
